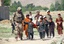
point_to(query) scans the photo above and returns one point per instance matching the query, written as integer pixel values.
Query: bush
(57, 6)
(45, 8)
(6, 2)
(52, 7)
(28, 7)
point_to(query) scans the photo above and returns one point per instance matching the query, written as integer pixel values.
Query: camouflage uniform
(18, 17)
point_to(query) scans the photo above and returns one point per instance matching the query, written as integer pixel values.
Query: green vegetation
(6, 2)
(45, 8)
(62, 4)
(31, 7)
(52, 7)
(5, 32)
(28, 7)
(57, 6)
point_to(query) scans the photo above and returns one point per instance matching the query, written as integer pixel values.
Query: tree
(13, 7)
(19, 4)
(29, 7)
(24, 9)
(52, 7)
(38, 8)
(62, 4)
(57, 6)
(6, 2)
(45, 8)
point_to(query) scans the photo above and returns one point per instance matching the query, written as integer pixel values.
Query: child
(51, 27)
(27, 19)
(59, 22)
(41, 28)
(30, 29)
(46, 25)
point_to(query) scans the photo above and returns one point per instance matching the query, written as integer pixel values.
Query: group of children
(43, 26)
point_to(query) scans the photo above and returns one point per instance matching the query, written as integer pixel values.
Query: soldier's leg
(16, 38)
(16, 32)
(21, 35)
(21, 31)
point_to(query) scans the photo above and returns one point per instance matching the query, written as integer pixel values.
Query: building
(4, 11)
(0, 2)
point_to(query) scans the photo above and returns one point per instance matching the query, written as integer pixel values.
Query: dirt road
(36, 40)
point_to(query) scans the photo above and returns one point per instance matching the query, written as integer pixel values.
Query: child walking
(46, 26)
(31, 25)
(41, 28)
(51, 27)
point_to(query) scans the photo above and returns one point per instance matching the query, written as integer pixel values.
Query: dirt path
(35, 41)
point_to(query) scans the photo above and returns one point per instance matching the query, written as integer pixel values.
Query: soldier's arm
(23, 16)
(14, 16)
(23, 20)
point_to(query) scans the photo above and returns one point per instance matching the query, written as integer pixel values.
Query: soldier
(19, 17)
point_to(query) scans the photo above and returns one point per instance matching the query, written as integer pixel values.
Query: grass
(5, 32)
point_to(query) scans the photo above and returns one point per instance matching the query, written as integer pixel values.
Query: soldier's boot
(21, 35)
